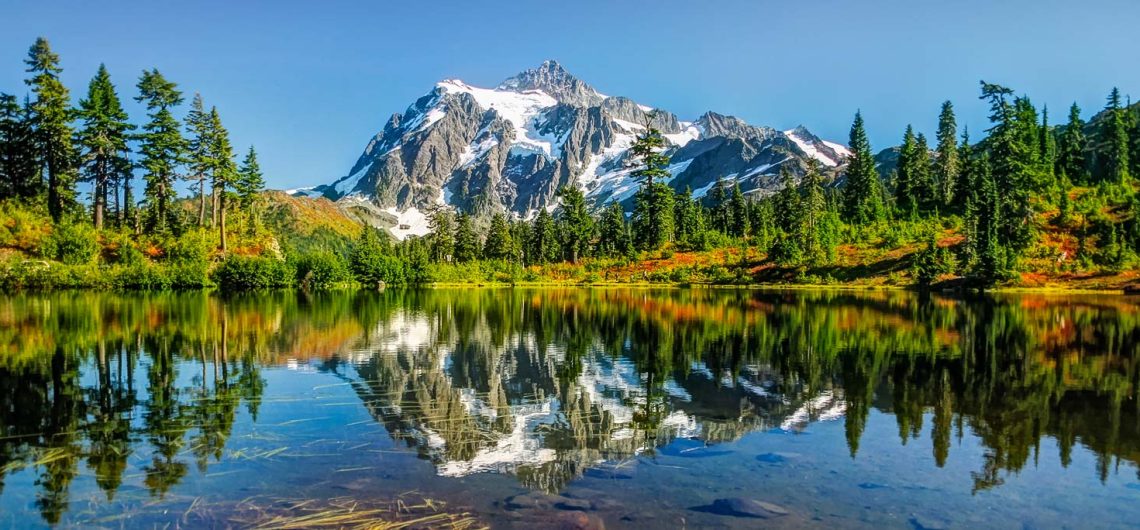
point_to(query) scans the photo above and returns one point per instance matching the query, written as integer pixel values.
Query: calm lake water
(575, 408)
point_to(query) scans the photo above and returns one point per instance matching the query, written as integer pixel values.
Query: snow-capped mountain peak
(511, 147)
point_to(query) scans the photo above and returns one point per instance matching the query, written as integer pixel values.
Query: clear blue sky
(309, 82)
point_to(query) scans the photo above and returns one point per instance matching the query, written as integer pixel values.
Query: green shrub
(248, 272)
(321, 270)
(141, 276)
(120, 249)
(71, 244)
(193, 246)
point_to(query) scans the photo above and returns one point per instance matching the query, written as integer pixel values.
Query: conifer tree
(813, 209)
(906, 192)
(198, 151)
(544, 246)
(721, 212)
(466, 241)
(925, 191)
(1048, 148)
(498, 243)
(1011, 163)
(51, 121)
(1112, 143)
(223, 170)
(442, 240)
(103, 140)
(653, 204)
(613, 232)
(162, 146)
(19, 167)
(788, 203)
(863, 195)
(687, 219)
(248, 186)
(966, 185)
(1071, 151)
(575, 225)
(947, 164)
(738, 211)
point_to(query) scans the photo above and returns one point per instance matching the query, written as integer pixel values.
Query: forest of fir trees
(51, 149)
(1029, 196)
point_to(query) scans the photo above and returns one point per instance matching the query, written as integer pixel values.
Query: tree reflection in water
(545, 384)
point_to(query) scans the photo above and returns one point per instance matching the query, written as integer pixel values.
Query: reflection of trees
(545, 384)
(71, 387)
(1010, 369)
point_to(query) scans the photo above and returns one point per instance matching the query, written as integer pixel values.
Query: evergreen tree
(653, 204)
(687, 220)
(574, 223)
(813, 209)
(1112, 142)
(788, 203)
(863, 195)
(1011, 163)
(906, 190)
(966, 185)
(1048, 148)
(466, 241)
(721, 211)
(947, 166)
(987, 220)
(442, 240)
(1071, 151)
(925, 189)
(198, 151)
(19, 168)
(248, 186)
(51, 121)
(223, 172)
(103, 140)
(738, 209)
(498, 244)
(162, 146)
(544, 246)
(613, 233)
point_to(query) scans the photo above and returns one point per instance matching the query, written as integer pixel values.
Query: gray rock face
(551, 78)
(511, 148)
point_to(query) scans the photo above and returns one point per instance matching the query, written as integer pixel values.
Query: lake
(569, 408)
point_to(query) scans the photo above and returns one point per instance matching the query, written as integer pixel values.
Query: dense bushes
(251, 272)
(71, 244)
(321, 270)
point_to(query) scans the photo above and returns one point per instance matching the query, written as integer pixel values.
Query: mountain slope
(512, 147)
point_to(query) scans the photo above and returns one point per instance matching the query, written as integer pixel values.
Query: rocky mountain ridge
(512, 147)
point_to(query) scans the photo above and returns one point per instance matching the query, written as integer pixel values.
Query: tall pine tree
(1112, 142)
(248, 187)
(51, 121)
(223, 170)
(947, 165)
(198, 151)
(863, 194)
(1071, 151)
(162, 146)
(653, 203)
(19, 167)
(574, 223)
(103, 141)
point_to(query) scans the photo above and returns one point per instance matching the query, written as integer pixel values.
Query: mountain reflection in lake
(628, 407)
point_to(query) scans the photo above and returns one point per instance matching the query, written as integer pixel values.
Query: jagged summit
(510, 148)
(551, 78)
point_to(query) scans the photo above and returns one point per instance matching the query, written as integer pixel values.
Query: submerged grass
(351, 513)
